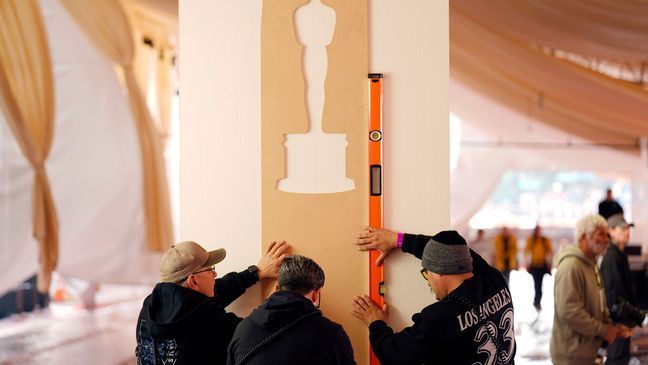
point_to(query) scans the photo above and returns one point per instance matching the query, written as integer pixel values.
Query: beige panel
(409, 44)
(220, 153)
(320, 226)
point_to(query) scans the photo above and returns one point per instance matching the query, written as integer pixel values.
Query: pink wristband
(399, 240)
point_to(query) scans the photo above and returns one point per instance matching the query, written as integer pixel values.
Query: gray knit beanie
(447, 253)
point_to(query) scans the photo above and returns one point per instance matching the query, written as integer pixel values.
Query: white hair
(587, 225)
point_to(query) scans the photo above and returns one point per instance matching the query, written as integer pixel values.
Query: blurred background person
(483, 246)
(609, 207)
(581, 318)
(505, 252)
(619, 288)
(538, 251)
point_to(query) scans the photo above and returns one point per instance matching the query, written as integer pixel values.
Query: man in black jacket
(184, 320)
(619, 288)
(609, 207)
(472, 321)
(288, 328)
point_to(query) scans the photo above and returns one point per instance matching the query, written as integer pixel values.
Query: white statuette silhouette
(315, 161)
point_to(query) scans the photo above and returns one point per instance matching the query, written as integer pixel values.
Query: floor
(68, 334)
(532, 327)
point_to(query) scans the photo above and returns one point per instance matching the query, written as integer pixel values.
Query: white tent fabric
(96, 175)
(479, 169)
(500, 49)
(94, 167)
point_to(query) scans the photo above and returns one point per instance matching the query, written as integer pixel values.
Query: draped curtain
(27, 101)
(164, 67)
(108, 26)
(157, 24)
(153, 67)
(144, 59)
(613, 30)
(499, 49)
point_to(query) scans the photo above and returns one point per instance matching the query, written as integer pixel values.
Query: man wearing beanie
(472, 320)
(184, 320)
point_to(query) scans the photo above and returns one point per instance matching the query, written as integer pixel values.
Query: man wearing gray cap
(619, 288)
(184, 320)
(472, 320)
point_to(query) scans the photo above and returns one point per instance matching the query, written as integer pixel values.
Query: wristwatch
(253, 269)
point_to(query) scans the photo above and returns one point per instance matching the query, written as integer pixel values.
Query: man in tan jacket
(581, 320)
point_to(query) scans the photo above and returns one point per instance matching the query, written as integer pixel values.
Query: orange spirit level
(376, 274)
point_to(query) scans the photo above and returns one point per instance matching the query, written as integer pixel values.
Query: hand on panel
(367, 311)
(380, 239)
(272, 258)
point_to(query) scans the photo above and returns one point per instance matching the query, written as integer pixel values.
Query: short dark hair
(300, 274)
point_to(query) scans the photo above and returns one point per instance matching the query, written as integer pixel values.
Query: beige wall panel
(409, 44)
(220, 144)
(321, 226)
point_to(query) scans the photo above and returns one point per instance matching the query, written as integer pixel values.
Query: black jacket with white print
(179, 326)
(473, 324)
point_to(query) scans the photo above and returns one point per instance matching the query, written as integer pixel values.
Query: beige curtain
(155, 60)
(27, 101)
(159, 24)
(164, 91)
(144, 61)
(108, 26)
(614, 30)
(507, 64)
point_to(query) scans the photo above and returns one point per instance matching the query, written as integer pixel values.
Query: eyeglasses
(424, 272)
(212, 269)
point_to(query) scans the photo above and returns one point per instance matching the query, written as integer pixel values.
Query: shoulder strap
(250, 354)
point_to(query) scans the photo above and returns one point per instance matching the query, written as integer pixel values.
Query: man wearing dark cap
(619, 289)
(472, 320)
(184, 320)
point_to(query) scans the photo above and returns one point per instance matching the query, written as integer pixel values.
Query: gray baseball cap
(618, 220)
(185, 258)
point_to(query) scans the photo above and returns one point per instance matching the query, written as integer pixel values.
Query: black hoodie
(313, 340)
(471, 325)
(179, 326)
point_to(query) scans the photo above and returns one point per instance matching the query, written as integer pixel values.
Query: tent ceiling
(614, 30)
(578, 66)
(529, 56)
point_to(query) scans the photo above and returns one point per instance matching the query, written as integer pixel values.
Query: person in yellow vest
(538, 249)
(506, 252)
